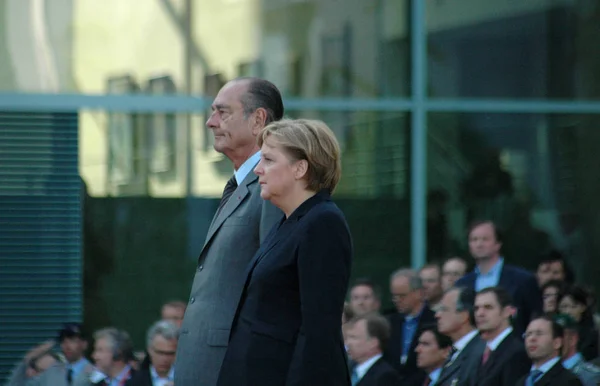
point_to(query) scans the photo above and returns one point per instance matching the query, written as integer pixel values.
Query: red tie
(486, 355)
(427, 381)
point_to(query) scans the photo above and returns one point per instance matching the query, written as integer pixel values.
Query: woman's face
(568, 305)
(550, 297)
(277, 174)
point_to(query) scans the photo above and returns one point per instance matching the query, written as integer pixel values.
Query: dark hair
(262, 94)
(555, 256)
(477, 223)
(465, 302)
(367, 283)
(442, 340)
(579, 295)
(502, 295)
(378, 327)
(557, 330)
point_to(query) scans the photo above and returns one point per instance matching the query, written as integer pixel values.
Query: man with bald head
(241, 109)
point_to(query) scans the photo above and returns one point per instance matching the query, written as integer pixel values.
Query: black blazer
(462, 371)
(556, 376)
(287, 327)
(140, 378)
(380, 374)
(506, 365)
(522, 286)
(409, 371)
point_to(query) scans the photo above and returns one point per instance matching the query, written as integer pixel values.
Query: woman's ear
(301, 168)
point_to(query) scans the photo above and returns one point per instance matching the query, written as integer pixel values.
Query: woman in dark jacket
(574, 301)
(287, 327)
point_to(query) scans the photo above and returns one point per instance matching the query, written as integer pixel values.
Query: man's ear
(259, 118)
(301, 168)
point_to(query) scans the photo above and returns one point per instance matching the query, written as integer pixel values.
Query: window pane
(519, 49)
(308, 48)
(537, 176)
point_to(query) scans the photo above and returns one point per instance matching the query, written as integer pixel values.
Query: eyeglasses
(536, 333)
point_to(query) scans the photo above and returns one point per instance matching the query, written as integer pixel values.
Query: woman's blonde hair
(310, 140)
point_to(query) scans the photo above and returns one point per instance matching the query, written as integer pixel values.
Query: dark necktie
(69, 376)
(230, 187)
(534, 376)
(427, 381)
(486, 355)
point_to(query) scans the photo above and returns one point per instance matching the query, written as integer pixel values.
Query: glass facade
(445, 112)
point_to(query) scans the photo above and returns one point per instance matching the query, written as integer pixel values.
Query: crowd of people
(496, 325)
(273, 279)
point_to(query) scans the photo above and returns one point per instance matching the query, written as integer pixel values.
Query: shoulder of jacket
(590, 368)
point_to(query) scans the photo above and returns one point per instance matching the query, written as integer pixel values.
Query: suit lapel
(234, 201)
(550, 375)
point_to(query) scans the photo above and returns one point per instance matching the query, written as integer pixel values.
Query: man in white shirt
(544, 339)
(367, 336)
(456, 319)
(504, 360)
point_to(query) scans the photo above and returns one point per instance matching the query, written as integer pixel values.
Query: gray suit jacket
(232, 240)
(462, 370)
(587, 373)
(54, 376)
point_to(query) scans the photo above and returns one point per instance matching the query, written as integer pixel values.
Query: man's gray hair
(164, 328)
(414, 281)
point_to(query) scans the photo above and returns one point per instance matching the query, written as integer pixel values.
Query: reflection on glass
(536, 176)
(529, 49)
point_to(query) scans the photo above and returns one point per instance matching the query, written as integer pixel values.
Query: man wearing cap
(572, 359)
(73, 345)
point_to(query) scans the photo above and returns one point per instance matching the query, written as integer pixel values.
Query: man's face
(448, 319)
(405, 299)
(173, 314)
(360, 345)
(451, 272)
(489, 315)
(103, 355)
(429, 354)
(234, 133)
(162, 354)
(432, 286)
(73, 348)
(482, 242)
(539, 342)
(363, 300)
(550, 297)
(550, 271)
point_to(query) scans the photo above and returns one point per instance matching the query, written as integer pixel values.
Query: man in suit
(504, 360)
(433, 350)
(162, 346)
(572, 360)
(485, 242)
(240, 110)
(413, 313)
(368, 335)
(543, 340)
(456, 319)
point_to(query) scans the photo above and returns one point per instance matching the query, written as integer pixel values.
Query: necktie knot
(535, 375)
(486, 355)
(354, 376)
(230, 187)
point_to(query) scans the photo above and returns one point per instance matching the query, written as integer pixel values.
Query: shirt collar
(464, 341)
(170, 375)
(495, 270)
(572, 361)
(547, 366)
(435, 375)
(362, 369)
(246, 167)
(493, 345)
(122, 375)
(410, 318)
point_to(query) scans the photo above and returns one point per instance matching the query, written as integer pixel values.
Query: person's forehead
(486, 298)
(455, 265)
(362, 289)
(430, 271)
(539, 324)
(230, 95)
(483, 229)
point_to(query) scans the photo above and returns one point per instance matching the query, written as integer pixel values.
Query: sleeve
(534, 298)
(324, 260)
(17, 376)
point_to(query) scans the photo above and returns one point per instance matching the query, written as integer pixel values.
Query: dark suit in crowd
(523, 288)
(287, 328)
(506, 364)
(409, 372)
(556, 376)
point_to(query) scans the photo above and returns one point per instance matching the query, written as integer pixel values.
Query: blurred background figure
(572, 359)
(365, 296)
(431, 278)
(574, 302)
(368, 336)
(452, 270)
(173, 311)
